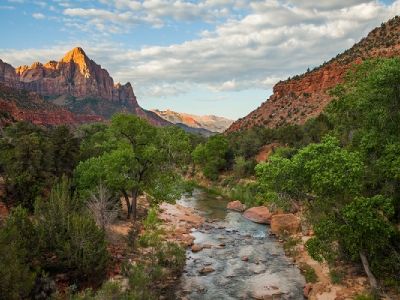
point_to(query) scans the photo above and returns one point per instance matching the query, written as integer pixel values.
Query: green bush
(246, 193)
(84, 251)
(71, 235)
(172, 256)
(336, 276)
(16, 277)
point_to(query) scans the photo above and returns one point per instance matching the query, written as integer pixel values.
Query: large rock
(260, 214)
(236, 206)
(285, 223)
(197, 247)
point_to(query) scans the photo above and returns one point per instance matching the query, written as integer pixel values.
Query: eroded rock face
(300, 98)
(236, 206)
(78, 84)
(260, 214)
(285, 223)
(74, 75)
(17, 105)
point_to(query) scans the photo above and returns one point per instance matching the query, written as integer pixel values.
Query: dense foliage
(63, 186)
(32, 159)
(350, 180)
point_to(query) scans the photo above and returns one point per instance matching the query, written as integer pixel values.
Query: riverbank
(341, 282)
(234, 258)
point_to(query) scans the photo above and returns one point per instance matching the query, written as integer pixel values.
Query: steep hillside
(210, 123)
(77, 83)
(21, 105)
(297, 99)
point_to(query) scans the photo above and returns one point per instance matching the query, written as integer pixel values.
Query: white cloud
(273, 40)
(38, 16)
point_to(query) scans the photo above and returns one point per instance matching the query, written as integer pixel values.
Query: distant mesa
(213, 124)
(302, 97)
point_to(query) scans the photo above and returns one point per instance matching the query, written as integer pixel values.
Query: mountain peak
(76, 55)
(79, 57)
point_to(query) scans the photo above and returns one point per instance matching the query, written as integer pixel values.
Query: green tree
(18, 246)
(212, 156)
(145, 159)
(64, 149)
(26, 163)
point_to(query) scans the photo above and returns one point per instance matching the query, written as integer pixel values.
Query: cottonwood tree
(144, 159)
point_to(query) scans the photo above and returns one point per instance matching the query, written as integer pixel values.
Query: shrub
(16, 277)
(336, 276)
(70, 235)
(172, 256)
(84, 251)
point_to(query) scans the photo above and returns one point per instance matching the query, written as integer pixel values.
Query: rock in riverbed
(236, 206)
(260, 214)
(206, 270)
(285, 223)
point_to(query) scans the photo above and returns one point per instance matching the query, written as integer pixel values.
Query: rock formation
(210, 122)
(298, 99)
(21, 105)
(77, 83)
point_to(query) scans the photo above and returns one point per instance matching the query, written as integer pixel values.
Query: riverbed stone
(197, 247)
(206, 270)
(285, 223)
(236, 206)
(259, 214)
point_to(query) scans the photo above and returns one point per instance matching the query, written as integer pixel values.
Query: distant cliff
(210, 123)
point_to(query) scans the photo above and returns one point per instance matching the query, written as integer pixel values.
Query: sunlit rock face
(74, 75)
(78, 84)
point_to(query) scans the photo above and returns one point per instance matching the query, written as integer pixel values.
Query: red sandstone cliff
(296, 100)
(21, 105)
(78, 84)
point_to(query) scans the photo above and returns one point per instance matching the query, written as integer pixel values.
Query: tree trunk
(134, 204)
(128, 204)
(372, 280)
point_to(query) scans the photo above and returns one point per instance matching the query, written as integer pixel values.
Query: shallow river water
(267, 274)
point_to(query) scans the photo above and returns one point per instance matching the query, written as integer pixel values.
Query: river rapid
(248, 263)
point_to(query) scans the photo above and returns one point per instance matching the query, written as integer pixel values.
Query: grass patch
(290, 246)
(308, 273)
(336, 276)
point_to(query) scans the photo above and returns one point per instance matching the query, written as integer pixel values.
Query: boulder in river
(206, 270)
(197, 248)
(236, 206)
(285, 223)
(260, 214)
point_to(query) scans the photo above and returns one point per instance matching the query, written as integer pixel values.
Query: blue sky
(204, 57)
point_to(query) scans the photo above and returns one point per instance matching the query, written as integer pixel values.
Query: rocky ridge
(209, 122)
(78, 84)
(302, 97)
(21, 105)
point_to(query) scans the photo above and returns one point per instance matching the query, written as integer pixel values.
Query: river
(248, 263)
